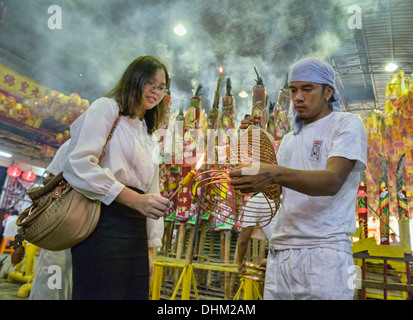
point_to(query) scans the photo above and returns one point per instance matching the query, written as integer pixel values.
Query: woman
(113, 262)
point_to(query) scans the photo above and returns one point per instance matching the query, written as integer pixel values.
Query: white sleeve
(254, 210)
(88, 136)
(350, 141)
(155, 228)
(56, 166)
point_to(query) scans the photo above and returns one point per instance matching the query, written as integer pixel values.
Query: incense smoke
(99, 39)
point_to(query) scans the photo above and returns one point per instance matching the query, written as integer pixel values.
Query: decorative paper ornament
(9, 102)
(28, 176)
(59, 137)
(362, 206)
(44, 101)
(384, 202)
(14, 171)
(66, 134)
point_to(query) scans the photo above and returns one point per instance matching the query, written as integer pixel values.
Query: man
(319, 165)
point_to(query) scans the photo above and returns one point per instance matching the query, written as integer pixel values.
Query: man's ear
(328, 93)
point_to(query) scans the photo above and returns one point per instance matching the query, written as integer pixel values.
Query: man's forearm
(315, 182)
(312, 183)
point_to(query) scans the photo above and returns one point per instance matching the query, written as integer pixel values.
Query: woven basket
(216, 196)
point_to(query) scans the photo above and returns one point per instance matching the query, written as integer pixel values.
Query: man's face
(310, 100)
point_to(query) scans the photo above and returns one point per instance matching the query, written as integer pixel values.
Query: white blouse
(130, 159)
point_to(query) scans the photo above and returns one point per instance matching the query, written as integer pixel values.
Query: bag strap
(108, 138)
(55, 184)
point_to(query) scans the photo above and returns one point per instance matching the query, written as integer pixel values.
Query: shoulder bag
(60, 217)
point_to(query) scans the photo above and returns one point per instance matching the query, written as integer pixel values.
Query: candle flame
(221, 69)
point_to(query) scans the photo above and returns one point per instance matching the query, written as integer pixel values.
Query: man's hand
(314, 183)
(242, 267)
(249, 120)
(240, 179)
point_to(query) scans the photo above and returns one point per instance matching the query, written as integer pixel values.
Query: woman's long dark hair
(128, 91)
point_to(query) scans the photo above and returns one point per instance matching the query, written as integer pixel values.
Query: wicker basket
(214, 194)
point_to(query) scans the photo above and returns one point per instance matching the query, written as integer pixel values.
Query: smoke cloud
(99, 39)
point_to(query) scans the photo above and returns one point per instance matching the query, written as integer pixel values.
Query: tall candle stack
(192, 116)
(362, 206)
(384, 202)
(403, 208)
(213, 117)
(228, 108)
(259, 100)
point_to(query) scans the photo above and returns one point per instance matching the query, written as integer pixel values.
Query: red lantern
(28, 176)
(14, 171)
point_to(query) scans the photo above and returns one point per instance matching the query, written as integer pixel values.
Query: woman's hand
(152, 205)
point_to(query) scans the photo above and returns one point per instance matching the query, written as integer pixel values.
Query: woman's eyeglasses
(152, 86)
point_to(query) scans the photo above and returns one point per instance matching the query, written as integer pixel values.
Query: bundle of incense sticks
(188, 178)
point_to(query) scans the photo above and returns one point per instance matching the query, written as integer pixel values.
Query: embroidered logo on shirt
(316, 150)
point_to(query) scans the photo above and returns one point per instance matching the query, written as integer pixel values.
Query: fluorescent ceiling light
(391, 67)
(5, 154)
(180, 30)
(243, 94)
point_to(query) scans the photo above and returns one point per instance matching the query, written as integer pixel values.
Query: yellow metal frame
(398, 266)
(250, 285)
(187, 276)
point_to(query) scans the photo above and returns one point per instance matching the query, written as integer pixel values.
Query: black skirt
(112, 263)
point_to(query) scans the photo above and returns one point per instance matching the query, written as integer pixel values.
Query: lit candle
(221, 70)
(214, 111)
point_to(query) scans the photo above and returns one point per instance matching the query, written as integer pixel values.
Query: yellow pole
(248, 289)
(257, 290)
(157, 282)
(27, 265)
(241, 287)
(186, 283)
(30, 254)
(178, 284)
(194, 284)
(187, 276)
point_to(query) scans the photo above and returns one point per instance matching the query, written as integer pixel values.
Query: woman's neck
(141, 114)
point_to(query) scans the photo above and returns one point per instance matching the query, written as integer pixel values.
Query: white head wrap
(317, 71)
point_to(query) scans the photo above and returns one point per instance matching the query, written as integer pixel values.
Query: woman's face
(154, 90)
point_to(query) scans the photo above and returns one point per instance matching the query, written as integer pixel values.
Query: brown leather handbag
(60, 217)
